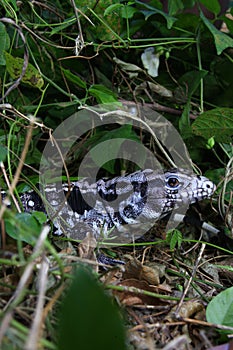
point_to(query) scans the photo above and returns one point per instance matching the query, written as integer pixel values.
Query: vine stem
(200, 68)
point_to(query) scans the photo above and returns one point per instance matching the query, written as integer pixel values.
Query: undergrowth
(57, 58)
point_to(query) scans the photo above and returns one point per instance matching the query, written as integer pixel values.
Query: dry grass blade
(20, 290)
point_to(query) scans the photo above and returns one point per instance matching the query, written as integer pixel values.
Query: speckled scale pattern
(105, 204)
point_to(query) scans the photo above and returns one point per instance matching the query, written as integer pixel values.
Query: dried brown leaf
(151, 274)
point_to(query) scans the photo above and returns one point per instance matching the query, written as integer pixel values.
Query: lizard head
(186, 187)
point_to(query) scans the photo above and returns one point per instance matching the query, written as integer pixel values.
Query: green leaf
(217, 123)
(33, 181)
(102, 94)
(106, 155)
(173, 238)
(40, 217)
(212, 6)
(74, 78)
(210, 143)
(154, 11)
(222, 41)
(23, 226)
(217, 175)
(109, 145)
(175, 6)
(5, 43)
(220, 309)
(128, 11)
(184, 122)
(3, 153)
(192, 80)
(176, 239)
(32, 76)
(88, 317)
(112, 8)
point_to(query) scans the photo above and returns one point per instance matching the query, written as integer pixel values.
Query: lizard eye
(173, 182)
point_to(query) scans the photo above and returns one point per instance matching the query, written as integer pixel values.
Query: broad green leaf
(24, 187)
(102, 94)
(128, 11)
(88, 317)
(105, 154)
(109, 145)
(74, 78)
(175, 6)
(217, 123)
(32, 76)
(154, 11)
(23, 226)
(40, 217)
(222, 40)
(192, 80)
(5, 43)
(212, 6)
(220, 309)
(188, 22)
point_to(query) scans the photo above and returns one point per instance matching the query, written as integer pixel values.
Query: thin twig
(121, 113)
(8, 107)
(50, 43)
(207, 324)
(160, 108)
(79, 40)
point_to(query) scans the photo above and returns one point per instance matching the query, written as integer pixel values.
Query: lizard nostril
(209, 185)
